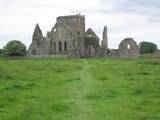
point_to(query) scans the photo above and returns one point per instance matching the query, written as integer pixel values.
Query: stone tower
(77, 25)
(67, 36)
(105, 38)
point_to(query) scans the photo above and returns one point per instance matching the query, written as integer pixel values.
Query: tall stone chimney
(105, 38)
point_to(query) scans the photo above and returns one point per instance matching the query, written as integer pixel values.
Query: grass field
(79, 89)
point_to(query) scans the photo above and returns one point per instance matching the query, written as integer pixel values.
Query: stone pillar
(105, 38)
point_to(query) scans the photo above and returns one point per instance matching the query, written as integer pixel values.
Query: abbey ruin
(68, 38)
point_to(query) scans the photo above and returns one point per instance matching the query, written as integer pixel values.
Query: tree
(147, 47)
(15, 48)
(1, 52)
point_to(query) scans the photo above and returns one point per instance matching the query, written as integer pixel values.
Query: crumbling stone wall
(65, 38)
(75, 32)
(91, 43)
(39, 45)
(61, 40)
(68, 38)
(128, 48)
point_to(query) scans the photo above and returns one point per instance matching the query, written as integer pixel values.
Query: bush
(15, 48)
(147, 47)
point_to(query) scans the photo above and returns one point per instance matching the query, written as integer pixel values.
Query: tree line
(17, 48)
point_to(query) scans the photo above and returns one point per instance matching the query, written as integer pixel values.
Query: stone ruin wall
(70, 31)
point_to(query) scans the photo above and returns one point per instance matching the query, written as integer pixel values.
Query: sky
(138, 19)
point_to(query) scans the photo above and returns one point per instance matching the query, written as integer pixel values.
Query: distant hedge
(15, 48)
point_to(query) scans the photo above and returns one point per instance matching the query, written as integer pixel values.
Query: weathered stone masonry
(69, 38)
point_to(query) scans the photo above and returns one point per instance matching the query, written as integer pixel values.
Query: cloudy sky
(139, 19)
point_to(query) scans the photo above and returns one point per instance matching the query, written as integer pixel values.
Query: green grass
(79, 89)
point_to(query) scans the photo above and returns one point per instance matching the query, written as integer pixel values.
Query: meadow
(79, 89)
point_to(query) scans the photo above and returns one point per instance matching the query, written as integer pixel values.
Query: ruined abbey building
(68, 38)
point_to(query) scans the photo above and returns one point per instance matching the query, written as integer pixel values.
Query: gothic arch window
(54, 46)
(91, 51)
(60, 46)
(65, 46)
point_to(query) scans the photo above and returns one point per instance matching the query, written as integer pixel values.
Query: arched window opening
(60, 45)
(65, 46)
(89, 35)
(54, 29)
(91, 51)
(78, 33)
(54, 45)
(128, 47)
